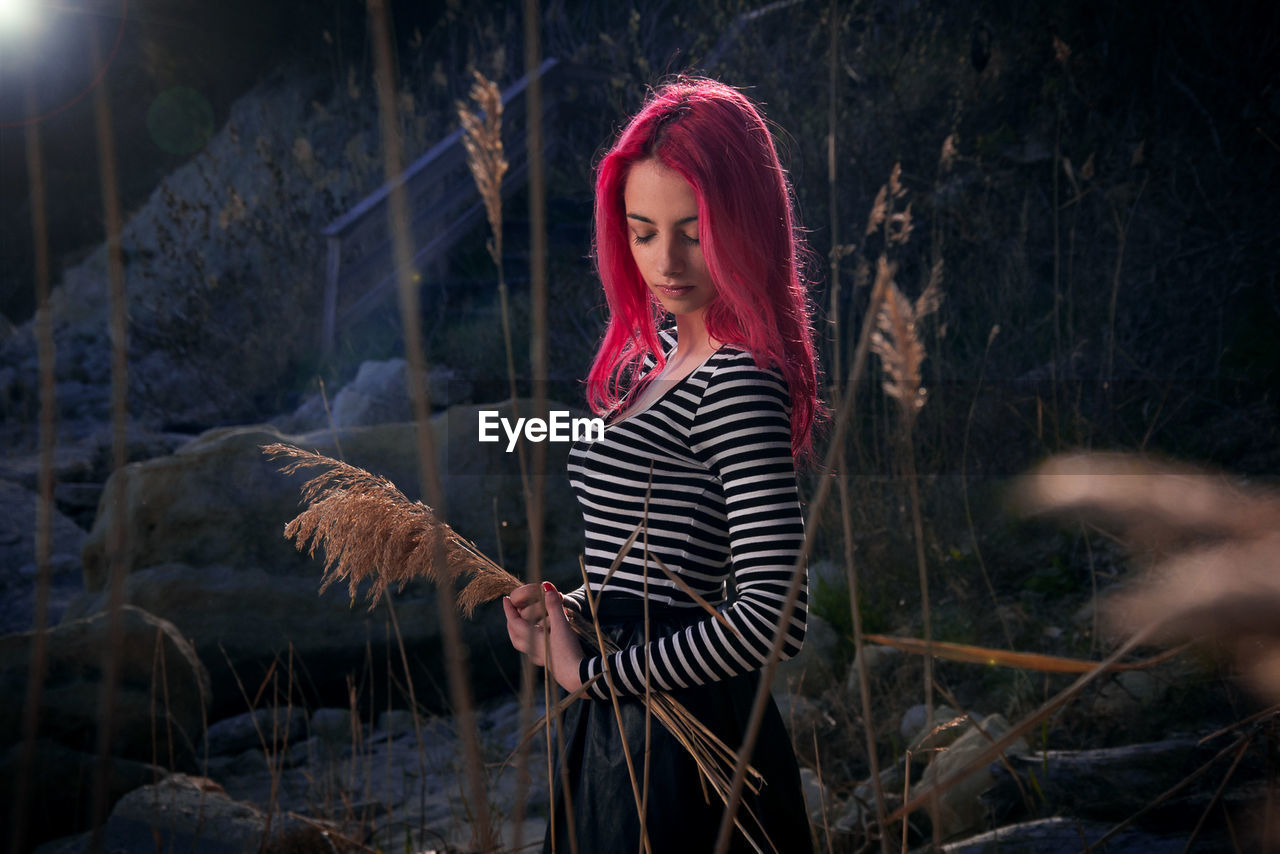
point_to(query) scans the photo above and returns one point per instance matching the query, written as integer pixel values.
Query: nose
(670, 258)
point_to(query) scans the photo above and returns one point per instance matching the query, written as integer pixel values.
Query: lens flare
(17, 15)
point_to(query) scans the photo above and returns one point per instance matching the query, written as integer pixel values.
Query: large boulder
(159, 700)
(376, 395)
(960, 809)
(59, 787)
(18, 572)
(184, 813)
(219, 501)
(205, 550)
(257, 628)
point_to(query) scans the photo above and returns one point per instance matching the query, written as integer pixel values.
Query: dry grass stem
(371, 532)
(482, 139)
(896, 339)
(617, 713)
(841, 418)
(997, 748)
(1005, 658)
(1218, 544)
(1158, 505)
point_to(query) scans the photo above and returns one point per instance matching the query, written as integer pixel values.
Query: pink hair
(716, 139)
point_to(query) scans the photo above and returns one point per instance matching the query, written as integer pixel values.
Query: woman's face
(662, 215)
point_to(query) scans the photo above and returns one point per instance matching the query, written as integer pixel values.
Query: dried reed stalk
(371, 532)
(45, 505)
(112, 655)
(1218, 583)
(1217, 543)
(896, 341)
(835, 451)
(1022, 660)
(482, 139)
(398, 219)
(487, 161)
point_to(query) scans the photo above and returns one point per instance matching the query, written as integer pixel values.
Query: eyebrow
(684, 221)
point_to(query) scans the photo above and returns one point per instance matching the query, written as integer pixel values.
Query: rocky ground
(226, 611)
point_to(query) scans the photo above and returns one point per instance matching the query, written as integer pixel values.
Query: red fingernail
(546, 586)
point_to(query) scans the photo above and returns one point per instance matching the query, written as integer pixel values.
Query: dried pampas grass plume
(1217, 542)
(371, 532)
(482, 139)
(896, 339)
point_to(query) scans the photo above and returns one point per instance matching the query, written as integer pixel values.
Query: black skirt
(681, 815)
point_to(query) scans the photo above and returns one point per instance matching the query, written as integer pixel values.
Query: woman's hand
(538, 627)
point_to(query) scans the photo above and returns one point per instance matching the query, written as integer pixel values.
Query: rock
(253, 730)
(859, 811)
(377, 395)
(811, 671)
(220, 500)
(500, 724)
(205, 551)
(18, 559)
(334, 726)
(815, 796)
(960, 808)
(913, 727)
(1129, 693)
(144, 705)
(217, 500)
(248, 623)
(182, 813)
(397, 722)
(829, 574)
(891, 780)
(1110, 784)
(59, 790)
(853, 816)
(1064, 834)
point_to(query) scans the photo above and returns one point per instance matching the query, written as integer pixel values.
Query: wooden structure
(444, 205)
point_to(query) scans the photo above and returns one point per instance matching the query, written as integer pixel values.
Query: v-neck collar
(668, 335)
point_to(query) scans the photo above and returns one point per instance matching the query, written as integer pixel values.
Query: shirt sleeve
(577, 600)
(742, 433)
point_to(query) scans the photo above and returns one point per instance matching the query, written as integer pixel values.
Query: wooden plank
(329, 324)
(436, 155)
(444, 205)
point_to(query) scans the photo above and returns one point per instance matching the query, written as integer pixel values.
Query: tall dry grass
(44, 506)
(410, 317)
(371, 532)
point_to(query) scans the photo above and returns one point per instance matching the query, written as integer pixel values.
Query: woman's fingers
(525, 636)
(528, 600)
(535, 622)
(566, 649)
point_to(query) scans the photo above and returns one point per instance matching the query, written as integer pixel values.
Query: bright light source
(17, 15)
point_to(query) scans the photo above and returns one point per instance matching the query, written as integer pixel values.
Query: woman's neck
(692, 338)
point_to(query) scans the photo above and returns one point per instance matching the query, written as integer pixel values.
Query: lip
(674, 290)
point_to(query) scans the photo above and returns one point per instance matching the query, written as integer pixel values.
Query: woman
(693, 218)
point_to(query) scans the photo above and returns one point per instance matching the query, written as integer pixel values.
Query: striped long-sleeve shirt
(713, 455)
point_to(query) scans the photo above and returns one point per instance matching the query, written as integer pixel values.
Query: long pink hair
(716, 139)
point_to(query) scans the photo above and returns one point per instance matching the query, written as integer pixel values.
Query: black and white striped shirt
(722, 500)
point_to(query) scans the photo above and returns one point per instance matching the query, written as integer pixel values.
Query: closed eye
(639, 240)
